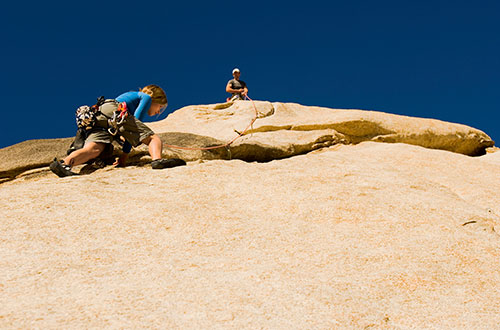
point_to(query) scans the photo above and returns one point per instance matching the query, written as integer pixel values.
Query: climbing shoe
(60, 169)
(166, 163)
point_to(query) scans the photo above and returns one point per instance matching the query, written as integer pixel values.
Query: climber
(104, 129)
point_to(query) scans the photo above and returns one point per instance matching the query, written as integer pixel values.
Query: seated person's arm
(229, 89)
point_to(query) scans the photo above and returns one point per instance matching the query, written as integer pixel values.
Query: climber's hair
(157, 94)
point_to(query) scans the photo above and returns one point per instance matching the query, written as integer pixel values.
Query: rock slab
(365, 236)
(268, 131)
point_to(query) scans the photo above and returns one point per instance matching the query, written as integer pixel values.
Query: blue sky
(435, 59)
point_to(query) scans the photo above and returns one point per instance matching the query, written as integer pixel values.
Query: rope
(222, 145)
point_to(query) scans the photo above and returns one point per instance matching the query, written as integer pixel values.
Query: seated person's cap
(236, 70)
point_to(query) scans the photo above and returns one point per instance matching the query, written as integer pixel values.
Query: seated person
(237, 88)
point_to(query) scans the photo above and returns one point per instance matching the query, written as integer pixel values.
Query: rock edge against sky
(280, 130)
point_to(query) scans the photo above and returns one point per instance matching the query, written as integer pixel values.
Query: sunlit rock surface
(287, 129)
(364, 236)
(268, 131)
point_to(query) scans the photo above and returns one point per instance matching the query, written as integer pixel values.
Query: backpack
(86, 116)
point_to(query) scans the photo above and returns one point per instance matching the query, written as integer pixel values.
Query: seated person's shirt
(237, 84)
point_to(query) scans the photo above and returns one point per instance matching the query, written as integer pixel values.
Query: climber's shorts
(132, 129)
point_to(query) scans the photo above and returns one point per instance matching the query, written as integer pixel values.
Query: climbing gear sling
(87, 120)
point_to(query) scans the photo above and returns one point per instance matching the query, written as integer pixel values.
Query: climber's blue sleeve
(142, 109)
(138, 103)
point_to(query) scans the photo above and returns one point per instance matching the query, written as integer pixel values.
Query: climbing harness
(118, 118)
(86, 117)
(240, 134)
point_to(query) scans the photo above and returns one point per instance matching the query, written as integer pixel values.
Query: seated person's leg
(236, 97)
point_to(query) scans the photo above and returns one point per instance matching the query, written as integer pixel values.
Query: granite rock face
(29, 155)
(286, 129)
(268, 131)
(331, 229)
(363, 236)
